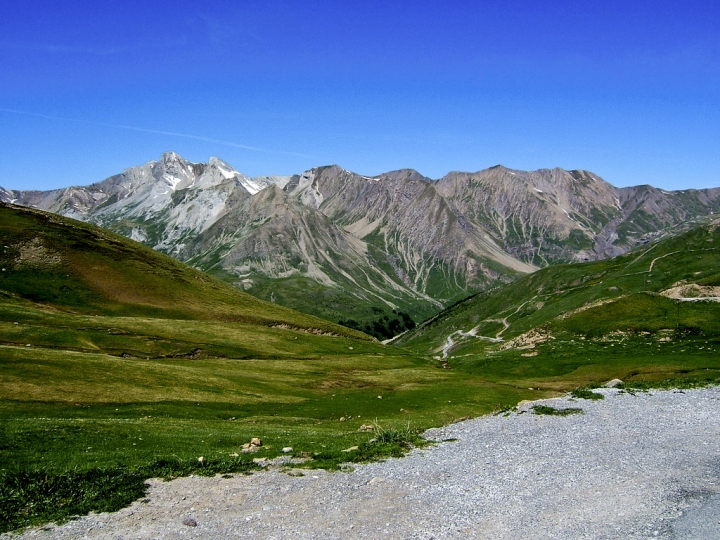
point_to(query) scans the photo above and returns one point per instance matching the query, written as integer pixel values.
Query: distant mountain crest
(361, 244)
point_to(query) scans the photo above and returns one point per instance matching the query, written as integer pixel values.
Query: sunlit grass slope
(68, 266)
(118, 363)
(637, 316)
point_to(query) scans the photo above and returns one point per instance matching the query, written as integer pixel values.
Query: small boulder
(287, 450)
(614, 383)
(524, 402)
(190, 522)
(366, 427)
(255, 441)
(351, 449)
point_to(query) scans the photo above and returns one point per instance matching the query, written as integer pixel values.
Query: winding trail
(652, 263)
(660, 257)
(450, 342)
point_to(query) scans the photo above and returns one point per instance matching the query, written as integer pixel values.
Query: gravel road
(631, 466)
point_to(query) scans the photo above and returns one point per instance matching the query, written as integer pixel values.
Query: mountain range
(341, 245)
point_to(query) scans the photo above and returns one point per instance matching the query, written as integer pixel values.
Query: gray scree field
(631, 466)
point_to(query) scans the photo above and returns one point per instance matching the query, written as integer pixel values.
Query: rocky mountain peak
(225, 168)
(175, 171)
(404, 175)
(397, 238)
(170, 156)
(271, 195)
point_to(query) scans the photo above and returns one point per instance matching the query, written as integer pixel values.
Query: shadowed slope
(69, 265)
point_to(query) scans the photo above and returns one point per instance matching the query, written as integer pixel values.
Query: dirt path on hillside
(631, 466)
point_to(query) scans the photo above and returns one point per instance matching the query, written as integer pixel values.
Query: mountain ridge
(395, 241)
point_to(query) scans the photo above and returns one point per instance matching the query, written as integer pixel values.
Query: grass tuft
(586, 393)
(552, 411)
(404, 437)
(685, 383)
(506, 410)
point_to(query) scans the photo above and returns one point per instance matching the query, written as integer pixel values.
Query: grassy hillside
(635, 316)
(118, 364)
(69, 266)
(337, 304)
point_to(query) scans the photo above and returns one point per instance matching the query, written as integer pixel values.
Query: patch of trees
(384, 326)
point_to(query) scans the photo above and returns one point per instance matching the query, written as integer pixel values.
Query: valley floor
(638, 465)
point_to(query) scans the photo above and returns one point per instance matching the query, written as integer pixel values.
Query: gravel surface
(631, 466)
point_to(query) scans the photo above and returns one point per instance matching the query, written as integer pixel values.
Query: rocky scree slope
(365, 245)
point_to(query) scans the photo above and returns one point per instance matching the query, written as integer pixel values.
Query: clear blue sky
(628, 90)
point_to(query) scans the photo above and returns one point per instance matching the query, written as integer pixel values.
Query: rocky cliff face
(276, 247)
(359, 245)
(411, 225)
(554, 216)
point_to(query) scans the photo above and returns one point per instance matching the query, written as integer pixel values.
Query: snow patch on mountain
(251, 185)
(225, 169)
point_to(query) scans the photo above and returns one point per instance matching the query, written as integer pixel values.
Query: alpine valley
(369, 251)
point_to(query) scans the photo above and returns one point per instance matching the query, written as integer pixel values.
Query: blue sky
(628, 90)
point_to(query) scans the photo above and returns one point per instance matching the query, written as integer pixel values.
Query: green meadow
(119, 400)
(118, 364)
